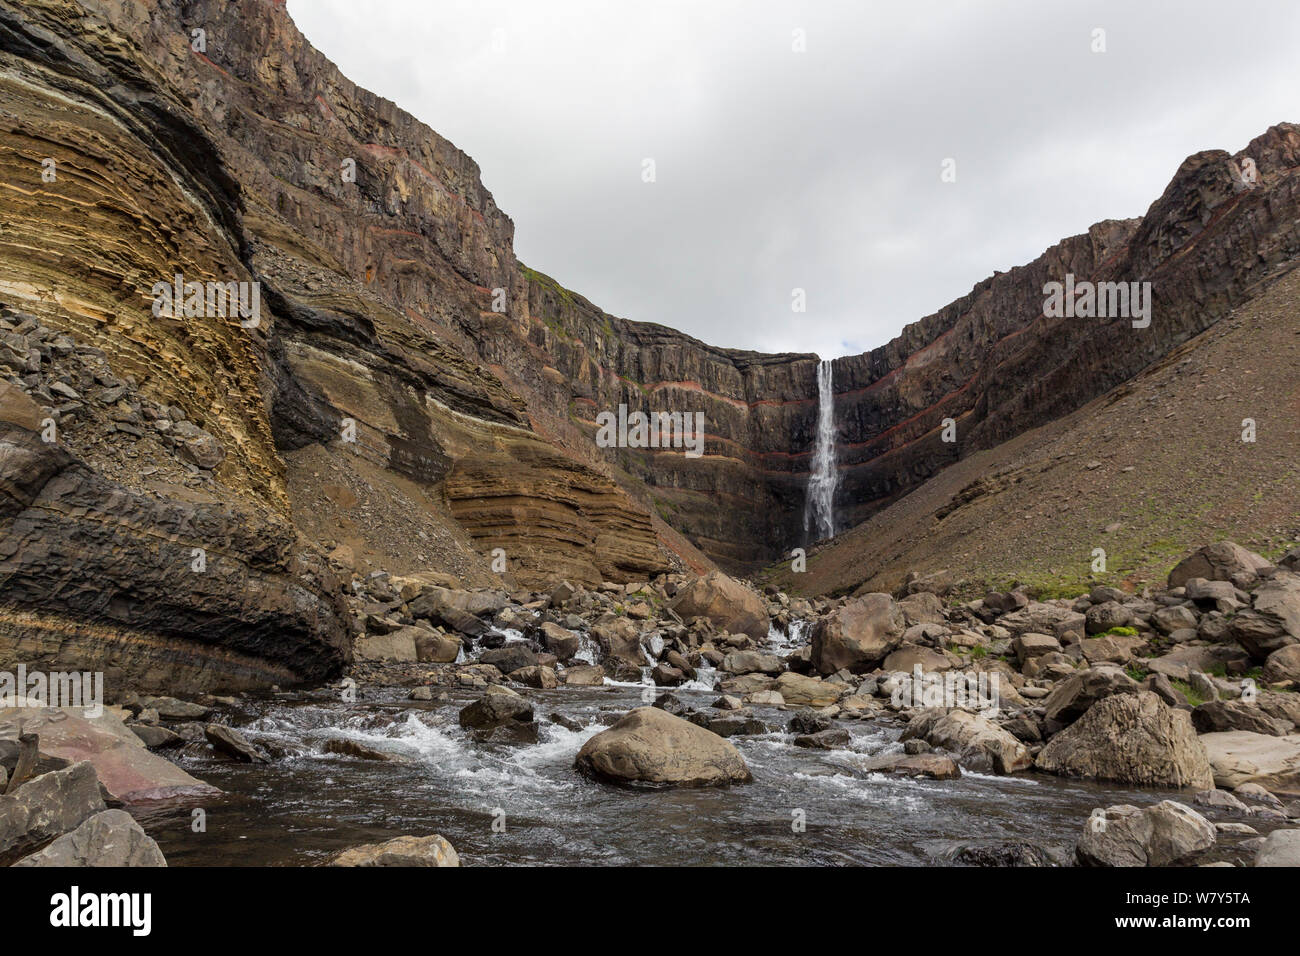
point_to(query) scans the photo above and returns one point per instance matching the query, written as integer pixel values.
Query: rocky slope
(411, 396)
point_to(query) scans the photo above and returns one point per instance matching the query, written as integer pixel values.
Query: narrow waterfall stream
(819, 511)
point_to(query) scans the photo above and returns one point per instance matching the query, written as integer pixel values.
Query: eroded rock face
(1132, 739)
(651, 746)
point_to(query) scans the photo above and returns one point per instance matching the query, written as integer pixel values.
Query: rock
(398, 645)
(1166, 833)
(125, 767)
(1131, 739)
(857, 636)
(649, 745)
(750, 662)
(1042, 618)
(584, 676)
(931, 765)
(434, 647)
(46, 807)
(510, 658)
(1274, 623)
(620, 641)
(979, 743)
(1222, 561)
(797, 690)
(1220, 800)
(766, 698)
(171, 709)
(156, 738)
(1030, 645)
(1168, 620)
(808, 722)
(401, 851)
(232, 743)
(1007, 854)
(1226, 715)
(910, 656)
(538, 675)
(1102, 617)
(499, 705)
(110, 838)
(347, 747)
(1071, 699)
(921, 607)
(830, 739)
(560, 641)
(1239, 757)
(1283, 664)
(1280, 848)
(727, 702)
(728, 604)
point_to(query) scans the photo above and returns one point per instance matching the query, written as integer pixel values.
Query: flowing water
(819, 509)
(309, 804)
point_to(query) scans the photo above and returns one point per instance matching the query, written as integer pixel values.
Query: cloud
(818, 170)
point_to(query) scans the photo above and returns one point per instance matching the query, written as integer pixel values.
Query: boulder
(585, 675)
(401, 851)
(1240, 757)
(1030, 645)
(1132, 739)
(1071, 698)
(1280, 848)
(510, 658)
(796, 690)
(1111, 649)
(110, 838)
(1274, 622)
(1283, 664)
(1042, 618)
(910, 656)
(1222, 561)
(397, 645)
(857, 636)
(725, 602)
(980, 744)
(497, 706)
(46, 807)
(435, 647)
(1102, 617)
(921, 607)
(930, 765)
(751, 662)
(1167, 620)
(1218, 716)
(560, 641)
(232, 743)
(1166, 833)
(651, 746)
(537, 675)
(620, 641)
(124, 765)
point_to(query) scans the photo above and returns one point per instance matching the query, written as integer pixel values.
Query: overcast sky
(819, 170)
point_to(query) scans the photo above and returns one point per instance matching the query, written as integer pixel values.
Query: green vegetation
(1139, 674)
(1186, 690)
(1121, 631)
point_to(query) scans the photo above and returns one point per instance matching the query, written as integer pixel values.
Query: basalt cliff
(188, 497)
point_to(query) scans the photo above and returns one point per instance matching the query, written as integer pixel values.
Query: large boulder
(980, 744)
(1240, 757)
(124, 765)
(620, 642)
(1283, 664)
(1274, 622)
(649, 745)
(724, 601)
(499, 705)
(1042, 618)
(1155, 836)
(1280, 848)
(1071, 698)
(798, 690)
(401, 851)
(397, 645)
(1217, 716)
(46, 807)
(752, 662)
(1223, 561)
(111, 838)
(559, 641)
(1131, 739)
(910, 656)
(857, 636)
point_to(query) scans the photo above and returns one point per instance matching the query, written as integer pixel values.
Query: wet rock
(800, 691)
(1010, 854)
(107, 839)
(498, 706)
(620, 641)
(930, 765)
(560, 641)
(156, 738)
(665, 676)
(585, 675)
(510, 658)
(830, 739)
(980, 744)
(232, 743)
(346, 747)
(650, 746)
(401, 851)
(857, 636)
(808, 722)
(1166, 833)
(1131, 739)
(537, 675)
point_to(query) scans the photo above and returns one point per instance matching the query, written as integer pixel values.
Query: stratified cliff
(413, 397)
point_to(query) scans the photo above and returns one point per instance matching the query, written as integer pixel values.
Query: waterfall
(819, 510)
